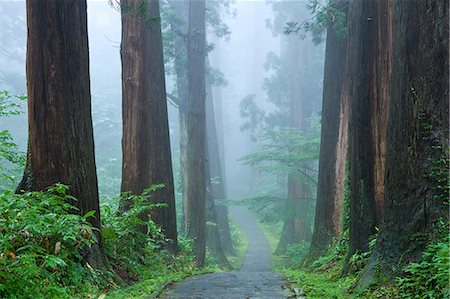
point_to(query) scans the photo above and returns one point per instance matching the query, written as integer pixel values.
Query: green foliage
(323, 279)
(296, 252)
(336, 254)
(324, 13)
(174, 25)
(240, 245)
(128, 239)
(142, 259)
(12, 160)
(430, 277)
(252, 114)
(216, 11)
(359, 259)
(287, 151)
(108, 148)
(156, 270)
(215, 77)
(440, 166)
(140, 10)
(10, 104)
(319, 284)
(41, 245)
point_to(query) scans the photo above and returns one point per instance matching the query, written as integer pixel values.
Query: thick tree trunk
(340, 223)
(417, 152)
(61, 144)
(369, 51)
(381, 77)
(217, 186)
(330, 194)
(196, 133)
(145, 142)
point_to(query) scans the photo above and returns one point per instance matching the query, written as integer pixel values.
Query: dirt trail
(254, 280)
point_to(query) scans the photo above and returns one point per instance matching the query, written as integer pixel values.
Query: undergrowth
(42, 242)
(428, 277)
(240, 245)
(142, 260)
(41, 246)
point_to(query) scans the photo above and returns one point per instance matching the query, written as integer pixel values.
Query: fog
(304, 140)
(247, 57)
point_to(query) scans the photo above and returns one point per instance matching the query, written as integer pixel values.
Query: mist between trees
(328, 120)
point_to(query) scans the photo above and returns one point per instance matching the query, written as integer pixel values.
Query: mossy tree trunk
(416, 180)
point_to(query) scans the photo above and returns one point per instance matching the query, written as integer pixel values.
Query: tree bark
(369, 48)
(182, 10)
(330, 195)
(145, 143)
(196, 131)
(217, 187)
(60, 143)
(213, 240)
(417, 152)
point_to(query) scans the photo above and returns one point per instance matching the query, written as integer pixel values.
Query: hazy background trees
(328, 120)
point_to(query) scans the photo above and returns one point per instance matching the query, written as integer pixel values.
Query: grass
(318, 283)
(155, 281)
(240, 245)
(154, 285)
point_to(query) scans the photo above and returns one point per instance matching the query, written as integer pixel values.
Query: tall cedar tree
(180, 25)
(181, 9)
(369, 48)
(218, 188)
(416, 185)
(145, 142)
(213, 240)
(330, 195)
(60, 142)
(196, 130)
(217, 157)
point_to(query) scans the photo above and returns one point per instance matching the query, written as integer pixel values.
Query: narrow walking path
(254, 280)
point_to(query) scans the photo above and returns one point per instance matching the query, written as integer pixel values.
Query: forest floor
(254, 280)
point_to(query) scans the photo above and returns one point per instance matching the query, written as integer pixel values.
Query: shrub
(40, 245)
(12, 160)
(296, 252)
(429, 278)
(126, 246)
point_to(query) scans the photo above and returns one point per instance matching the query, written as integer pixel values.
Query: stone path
(254, 280)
